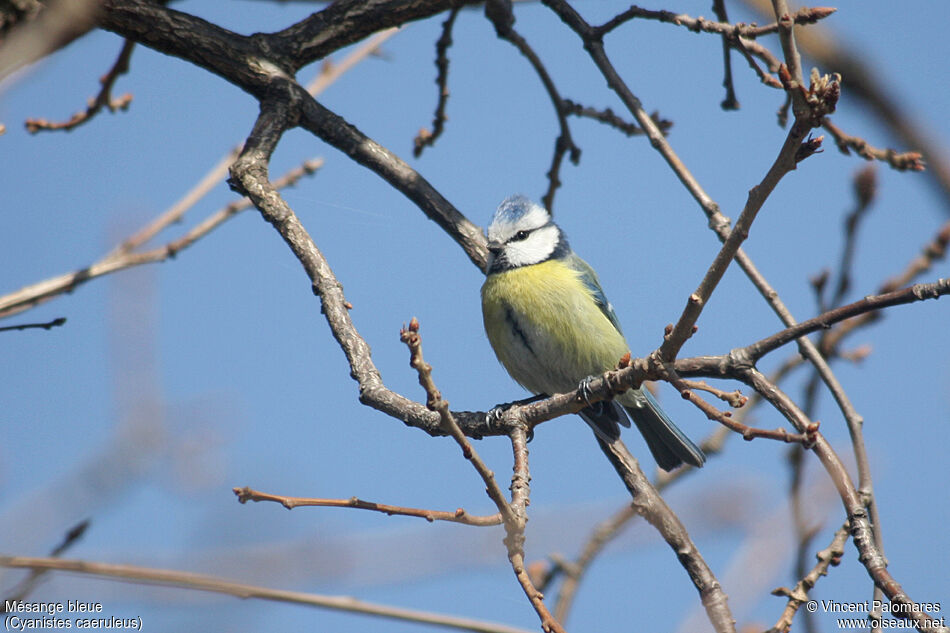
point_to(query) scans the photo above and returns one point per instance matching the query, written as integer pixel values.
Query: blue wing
(669, 445)
(604, 416)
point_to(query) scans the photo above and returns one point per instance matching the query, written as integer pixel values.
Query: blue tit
(552, 328)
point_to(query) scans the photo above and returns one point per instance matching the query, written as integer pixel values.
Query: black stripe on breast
(516, 328)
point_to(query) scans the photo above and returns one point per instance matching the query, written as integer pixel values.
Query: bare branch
(730, 102)
(121, 258)
(901, 161)
(513, 513)
(785, 162)
(213, 584)
(49, 325)
(435, 402)
(702, 25)
(501, 16)
(863, 81)
(648, 503)
(246, 494)
(798, 595)
(333, 129)
(607, 117)
(911, 294)
(346, 22)
(26, 586)
(862, 533)
(45, 31)
(425, 138)
(747, 432)
(735, 399)
(102, 100)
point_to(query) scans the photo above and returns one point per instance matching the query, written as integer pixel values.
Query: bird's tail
(605, 418)
(669, 445)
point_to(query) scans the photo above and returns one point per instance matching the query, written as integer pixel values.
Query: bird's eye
(520, 235)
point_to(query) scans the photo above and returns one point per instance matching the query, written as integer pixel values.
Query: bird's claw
(584, 388)
(495, 413)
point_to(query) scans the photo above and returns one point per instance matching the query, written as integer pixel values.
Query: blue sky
(172, 383)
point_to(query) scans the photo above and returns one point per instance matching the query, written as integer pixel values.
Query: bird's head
(522, 233)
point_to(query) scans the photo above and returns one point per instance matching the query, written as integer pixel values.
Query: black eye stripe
(524, 234)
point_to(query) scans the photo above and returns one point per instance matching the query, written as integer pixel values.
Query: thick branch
(239, 59)
(348, 21)
(348, 139)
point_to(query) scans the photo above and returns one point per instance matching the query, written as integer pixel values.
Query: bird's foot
(495, 414)
(584, 388)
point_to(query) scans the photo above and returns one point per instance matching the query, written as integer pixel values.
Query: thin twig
(425, 138)
(750, 50)
(702, 25)
(865, 189)
(102, 100)
(499, 12)
(607, 117)
(49, 325)
(120, 258)
(26, 586)
(735, 399)
(901, 161)
(933, 251)
(911, 294)
(798, 595)
(435, 402)
(862, 80)
(246, 494)
(730, 102)
(747, 432)
(513, 513)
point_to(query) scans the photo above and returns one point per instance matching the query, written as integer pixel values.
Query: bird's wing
(589, 278)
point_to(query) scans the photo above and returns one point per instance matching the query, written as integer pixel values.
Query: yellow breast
(546, 328)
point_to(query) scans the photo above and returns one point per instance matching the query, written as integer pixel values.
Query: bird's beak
(494, 248)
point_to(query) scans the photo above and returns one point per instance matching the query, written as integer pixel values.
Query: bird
(552, 328)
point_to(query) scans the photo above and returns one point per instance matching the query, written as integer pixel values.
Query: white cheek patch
(535, 249)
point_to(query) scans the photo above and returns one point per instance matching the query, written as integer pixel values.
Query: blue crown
(513, 208)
